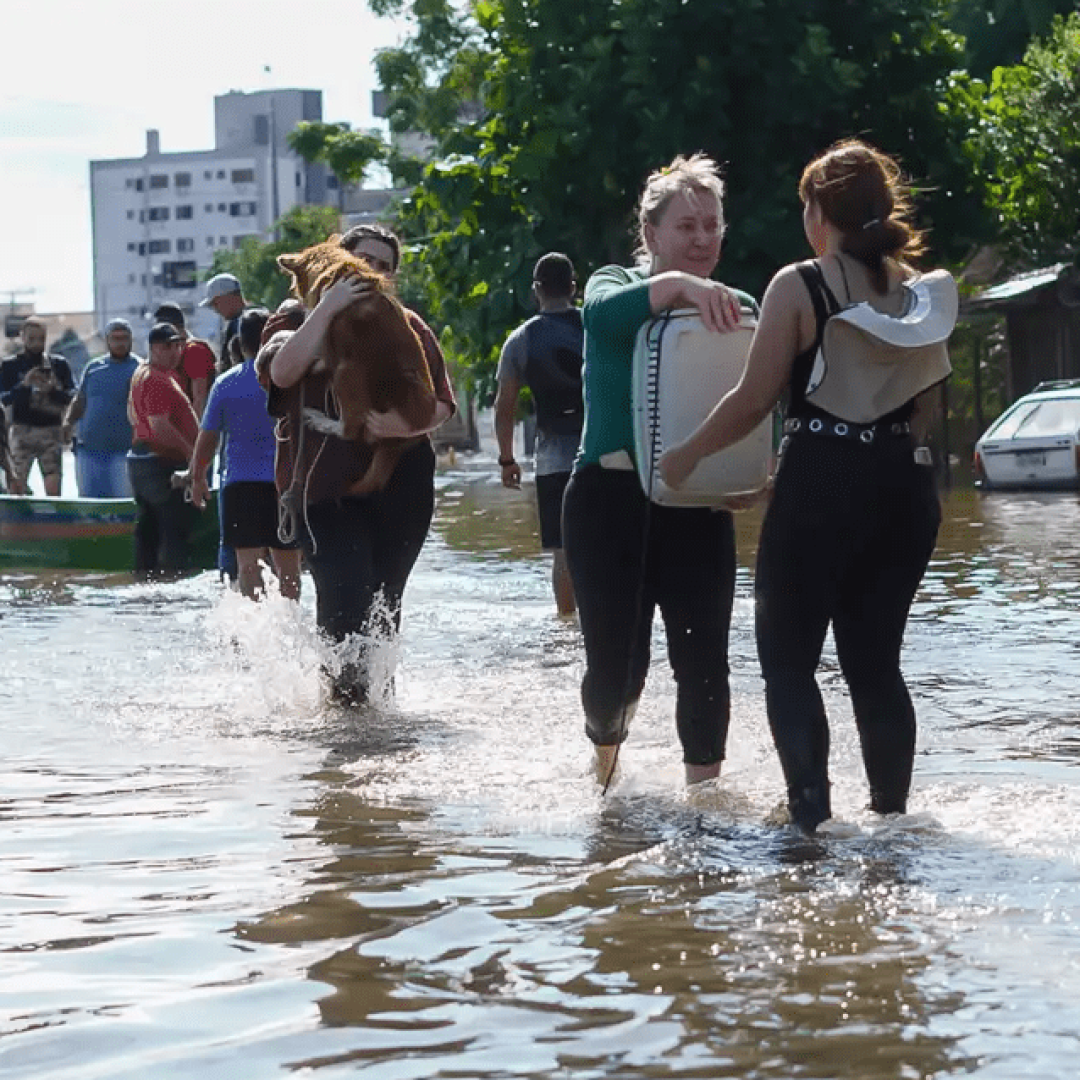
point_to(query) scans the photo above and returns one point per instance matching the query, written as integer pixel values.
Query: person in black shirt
(545, 355)
(37, 387)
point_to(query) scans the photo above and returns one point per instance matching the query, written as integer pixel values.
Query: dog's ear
(289, 262)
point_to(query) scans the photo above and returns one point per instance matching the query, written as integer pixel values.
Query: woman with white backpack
(854, 514)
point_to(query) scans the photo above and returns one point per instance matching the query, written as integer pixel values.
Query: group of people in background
(847, 536)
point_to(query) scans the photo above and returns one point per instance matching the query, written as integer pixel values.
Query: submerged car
(1035, 443)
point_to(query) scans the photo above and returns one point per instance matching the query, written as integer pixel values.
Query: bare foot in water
(604, 763)
(698, 774)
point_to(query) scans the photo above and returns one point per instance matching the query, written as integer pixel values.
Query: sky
(83, 80)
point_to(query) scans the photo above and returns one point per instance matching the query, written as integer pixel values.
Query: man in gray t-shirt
(545, 355)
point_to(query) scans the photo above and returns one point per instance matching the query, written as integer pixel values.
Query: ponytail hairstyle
(860, 191)
(695, 176)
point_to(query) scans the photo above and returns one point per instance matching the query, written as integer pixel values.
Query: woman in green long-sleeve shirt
(627, 558)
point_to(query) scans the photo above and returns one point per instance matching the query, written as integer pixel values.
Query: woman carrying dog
(854, 515)
(627, 557)
(360, 549)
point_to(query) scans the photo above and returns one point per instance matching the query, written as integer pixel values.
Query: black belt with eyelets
(841, 429)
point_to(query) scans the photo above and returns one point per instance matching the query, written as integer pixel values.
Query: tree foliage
(1024, 143)
(548, 115)
(255, 263)
(348, 153)
(997, 32)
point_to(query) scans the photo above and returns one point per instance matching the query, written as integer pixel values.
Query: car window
(1006, 427)
(1055, 417)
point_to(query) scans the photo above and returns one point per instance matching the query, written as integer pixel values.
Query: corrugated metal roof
(1018, 286)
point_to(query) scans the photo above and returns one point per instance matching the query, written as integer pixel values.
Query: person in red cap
(164, 431)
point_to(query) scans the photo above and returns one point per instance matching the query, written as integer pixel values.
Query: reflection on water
(208, 872)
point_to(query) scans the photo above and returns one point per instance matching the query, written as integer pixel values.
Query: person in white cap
(100, 409)
(225, 296)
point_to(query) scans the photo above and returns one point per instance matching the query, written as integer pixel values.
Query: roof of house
(1020, 285)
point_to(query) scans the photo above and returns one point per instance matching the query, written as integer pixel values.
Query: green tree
(255, 263)
(1024, 142)
(349, 154)
(997, 32)
(548, 114)
(576, 103)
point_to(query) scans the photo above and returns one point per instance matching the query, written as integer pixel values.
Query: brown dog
(375, 359)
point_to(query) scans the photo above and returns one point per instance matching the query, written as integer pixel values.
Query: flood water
(205, 872)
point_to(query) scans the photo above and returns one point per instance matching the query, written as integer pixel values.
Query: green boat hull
(85, 534)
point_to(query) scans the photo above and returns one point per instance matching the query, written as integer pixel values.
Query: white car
(1035, 443)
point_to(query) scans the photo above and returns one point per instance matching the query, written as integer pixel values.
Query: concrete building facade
(159, 219)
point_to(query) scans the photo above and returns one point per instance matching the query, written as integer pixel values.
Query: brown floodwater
(209, 873)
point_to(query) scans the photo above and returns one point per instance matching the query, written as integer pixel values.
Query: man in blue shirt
(248, 500)
(100, 410)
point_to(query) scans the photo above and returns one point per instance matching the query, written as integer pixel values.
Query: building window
(159, 247)
(242, 209)
(131, 246)
(158, 213)
(184, 244)
(178, 275)
(182, 179)
(184, 213)
(221, 174)
(209, 241)
(243, 176)
(142, 279)
(221, 207)
(139, 184)
(223, 241)
(142, 249)
(208, 175)
(129, 182)
(159, 180)
(131, 279)
(331, 181)
(131, 215)
(209, 208)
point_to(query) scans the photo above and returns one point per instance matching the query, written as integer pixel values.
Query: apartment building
(158, 219)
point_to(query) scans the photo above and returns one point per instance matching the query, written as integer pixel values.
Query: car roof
(1051, 391)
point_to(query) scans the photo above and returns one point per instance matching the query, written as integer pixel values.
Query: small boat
(85, 534)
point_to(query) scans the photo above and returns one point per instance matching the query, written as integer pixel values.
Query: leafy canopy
(1023, 142)
(548, 114)
(255, 263)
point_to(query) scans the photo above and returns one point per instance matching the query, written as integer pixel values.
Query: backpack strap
(821, 296)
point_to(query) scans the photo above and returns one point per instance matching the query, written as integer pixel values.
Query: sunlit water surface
(207, 872)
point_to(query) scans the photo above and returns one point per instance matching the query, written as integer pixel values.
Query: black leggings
(358, 549)
(847, 538)
(164, 522)
(688, 571)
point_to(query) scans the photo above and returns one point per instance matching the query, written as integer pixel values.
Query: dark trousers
(846, 540)
(164, 522)
(360, 549)
(626, 558)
